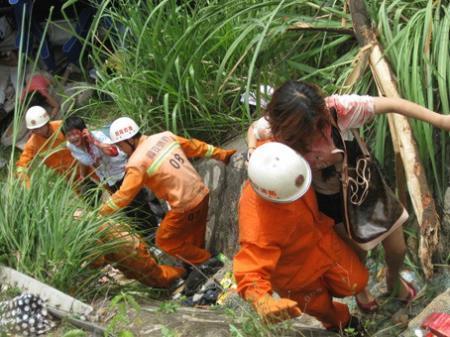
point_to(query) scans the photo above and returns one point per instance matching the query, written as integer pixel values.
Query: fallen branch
(94, 329)
(309, 27)
(403, 140)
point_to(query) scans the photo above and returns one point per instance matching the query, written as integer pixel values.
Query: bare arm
(109, 150)
(412, 110)
(54, 105)
(251, 141)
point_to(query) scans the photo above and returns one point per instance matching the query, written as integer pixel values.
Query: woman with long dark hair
(300, 116)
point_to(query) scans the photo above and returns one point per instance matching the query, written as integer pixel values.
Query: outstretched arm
(194, 148)
(410, 109)
(131, 185)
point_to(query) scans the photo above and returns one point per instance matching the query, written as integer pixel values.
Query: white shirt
(109, 169)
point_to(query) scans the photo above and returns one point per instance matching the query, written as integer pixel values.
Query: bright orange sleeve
(253, 267)
(29, 152)
(194, 148)
(131, 185)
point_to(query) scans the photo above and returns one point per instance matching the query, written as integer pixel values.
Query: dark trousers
(331, 205)
(145, 210)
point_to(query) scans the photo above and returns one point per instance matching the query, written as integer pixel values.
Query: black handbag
(372, 211)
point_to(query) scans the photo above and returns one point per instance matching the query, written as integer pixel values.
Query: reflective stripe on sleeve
(111, 204)
(22, 169)
(210, 151)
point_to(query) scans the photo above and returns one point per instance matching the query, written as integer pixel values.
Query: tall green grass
(38, 233)
(40, 236)
(184, 67)
(416, 39)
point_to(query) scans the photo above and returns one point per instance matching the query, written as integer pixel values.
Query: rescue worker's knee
(360, 280)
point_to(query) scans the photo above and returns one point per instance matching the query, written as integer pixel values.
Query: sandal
(412, 291)
(369, 307)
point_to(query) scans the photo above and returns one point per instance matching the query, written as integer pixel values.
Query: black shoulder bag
(371, 209)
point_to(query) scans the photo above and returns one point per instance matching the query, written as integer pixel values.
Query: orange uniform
(133, 259)
(291, 248)
(52, 151)
(160, 162)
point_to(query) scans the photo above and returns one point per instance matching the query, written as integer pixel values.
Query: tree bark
(404, 144)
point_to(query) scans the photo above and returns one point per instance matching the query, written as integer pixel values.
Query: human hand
(87, 136)
(249, 153)
(276, 310)
(226, 155)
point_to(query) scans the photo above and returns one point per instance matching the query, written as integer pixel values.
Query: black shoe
(200, 274)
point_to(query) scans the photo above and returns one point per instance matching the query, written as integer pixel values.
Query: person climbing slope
(302, 117)
(288, 246)
(160, 162)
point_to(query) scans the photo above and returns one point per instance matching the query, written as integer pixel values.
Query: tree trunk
(404, 144)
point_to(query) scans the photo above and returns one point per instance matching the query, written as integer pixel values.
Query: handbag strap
(344, 171)
(361, 143)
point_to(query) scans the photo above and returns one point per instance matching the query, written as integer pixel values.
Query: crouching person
(46, 143)
(288, 246)
(133, 259)
(160, 163)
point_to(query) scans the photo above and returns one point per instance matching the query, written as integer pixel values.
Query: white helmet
(278, 173)
(122, 128)
(36, 117)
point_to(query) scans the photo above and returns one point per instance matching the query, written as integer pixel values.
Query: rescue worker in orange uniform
(288, 246)
(131, 256)
(46, 142)
(133, 259)
(160, 162)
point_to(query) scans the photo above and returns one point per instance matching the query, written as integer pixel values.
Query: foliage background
(183, 66)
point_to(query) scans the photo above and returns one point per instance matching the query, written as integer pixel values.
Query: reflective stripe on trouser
(133, 259)
(346, 277)
(183, 234)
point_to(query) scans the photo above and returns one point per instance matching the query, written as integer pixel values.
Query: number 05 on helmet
(278, 173)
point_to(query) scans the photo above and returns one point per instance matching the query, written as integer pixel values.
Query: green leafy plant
(75, 333)
(119, 324)
(168, 332)
(168, 307)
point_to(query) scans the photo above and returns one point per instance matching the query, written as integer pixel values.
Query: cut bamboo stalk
(403, 140)
(309, 27)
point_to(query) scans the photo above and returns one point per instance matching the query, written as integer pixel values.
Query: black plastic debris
(200, 274)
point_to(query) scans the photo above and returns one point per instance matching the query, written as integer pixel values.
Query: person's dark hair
(137, 135)
(73, 122)
(35, 98)
(296, 112)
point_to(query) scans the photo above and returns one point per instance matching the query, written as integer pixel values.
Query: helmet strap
(130, 144)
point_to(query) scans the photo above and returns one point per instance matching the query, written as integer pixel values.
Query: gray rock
(225, 184)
